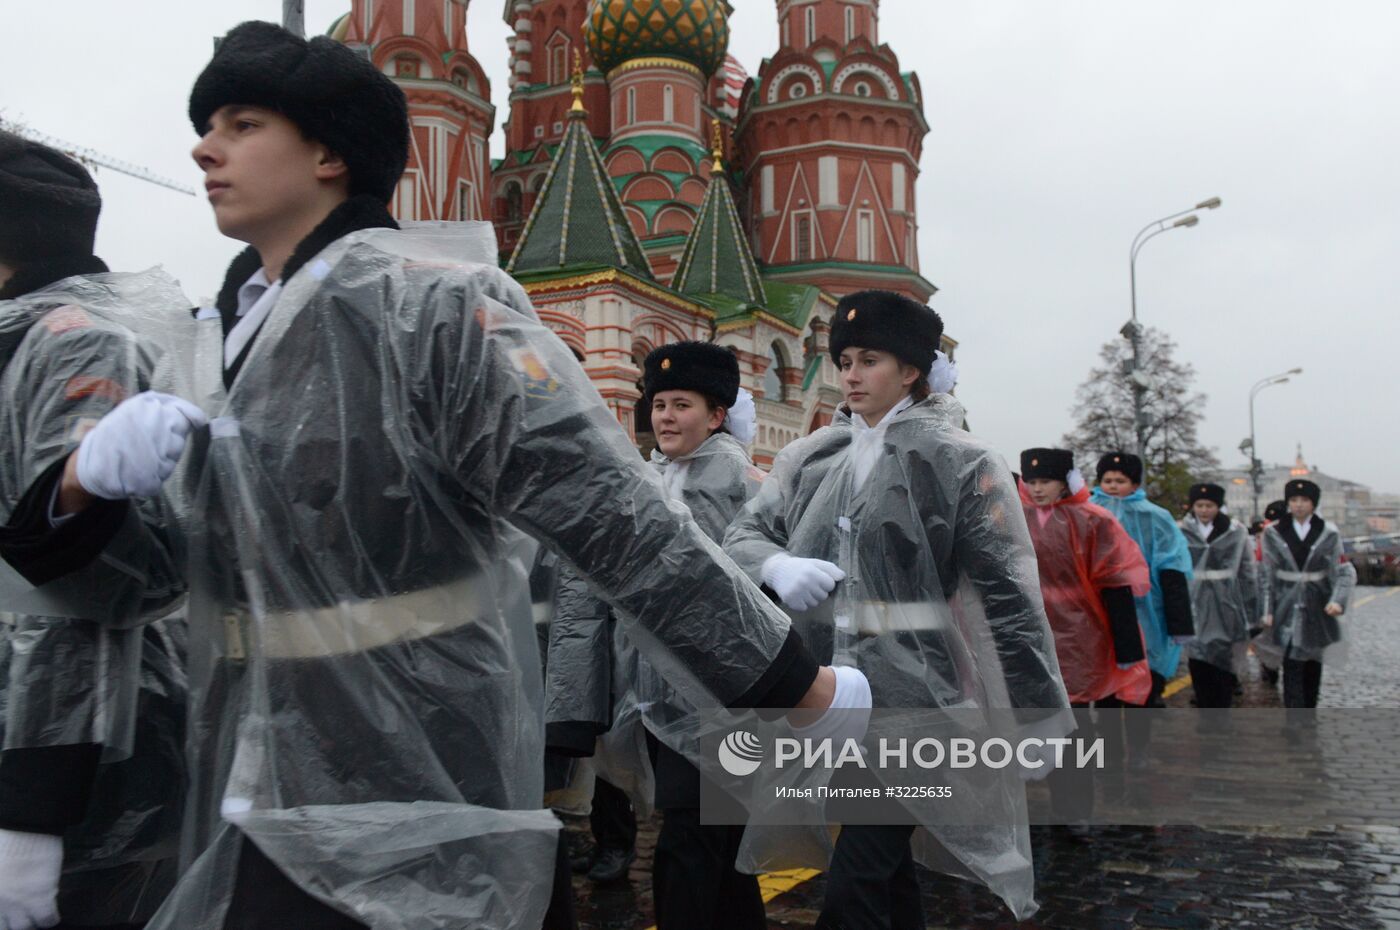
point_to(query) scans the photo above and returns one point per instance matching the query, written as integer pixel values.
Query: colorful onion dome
(694, 31)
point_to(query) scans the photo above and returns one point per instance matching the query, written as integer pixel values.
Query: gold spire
(578, 110)
(717, 148)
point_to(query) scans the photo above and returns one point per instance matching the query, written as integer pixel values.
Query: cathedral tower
(422, 44)
(829, 136)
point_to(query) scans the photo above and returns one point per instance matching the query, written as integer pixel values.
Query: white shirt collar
(865, 445)
(251, 290)
(1302, 529)
(256, 298)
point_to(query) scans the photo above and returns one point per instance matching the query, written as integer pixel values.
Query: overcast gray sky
(1057, 130)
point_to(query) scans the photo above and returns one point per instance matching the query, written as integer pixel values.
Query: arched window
(811, 17)
(513, 202)
(669, 104)
(773, 388)
(850, 23)
(631, 106)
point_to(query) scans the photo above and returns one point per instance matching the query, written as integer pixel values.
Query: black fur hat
(48, 203)
(333, 95)
(1208, 492)
(693, 366)
(1301, 487)
(889, 322)
(1124, 462)
(1055, 464)
(1276, 511)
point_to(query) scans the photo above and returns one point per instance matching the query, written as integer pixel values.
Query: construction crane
(90, 157)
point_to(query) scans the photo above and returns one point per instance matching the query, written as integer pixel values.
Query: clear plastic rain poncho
(941, 608)
(1162, 544)
(87, 659)
(1297, 597)
(1081, 550)
(367, 702)
(714, 482)
(1224, 593)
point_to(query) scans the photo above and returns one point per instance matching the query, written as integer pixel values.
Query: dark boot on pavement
(611, 865)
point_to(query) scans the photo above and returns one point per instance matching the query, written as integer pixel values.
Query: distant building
(1348, 504)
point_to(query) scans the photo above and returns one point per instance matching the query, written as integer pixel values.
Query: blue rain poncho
(1165, 549)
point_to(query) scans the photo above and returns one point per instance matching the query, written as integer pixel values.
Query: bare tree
(1103, 418)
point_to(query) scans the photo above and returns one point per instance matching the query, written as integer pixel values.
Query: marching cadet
(1223, 594)
(896, 541)
(702, 420)
(387, 415)
(92, 684)
(1307, 583)
(1090, 571)
(1165, 612)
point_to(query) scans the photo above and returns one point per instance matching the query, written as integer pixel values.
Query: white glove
(848, 717)
(30, 864)
(801, 583)
(133, 449)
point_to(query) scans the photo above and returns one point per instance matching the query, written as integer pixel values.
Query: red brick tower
(422, 44)
(829, 137)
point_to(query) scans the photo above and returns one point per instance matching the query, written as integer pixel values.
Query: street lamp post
(294, 16)
(1133, 330)
(1256, 467)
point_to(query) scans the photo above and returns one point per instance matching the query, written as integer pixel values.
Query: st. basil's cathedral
(652, 191)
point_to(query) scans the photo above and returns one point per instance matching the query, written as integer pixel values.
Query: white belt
(1301, 576)
(357, 626)
(876, 618)
(1216, 574)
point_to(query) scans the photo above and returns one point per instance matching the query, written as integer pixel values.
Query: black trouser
(1214, 686)
(561, 915)
(1071, 787)
(265, 899)
(612, 820)
(694, 883)
(872, 884)
(1302, 679)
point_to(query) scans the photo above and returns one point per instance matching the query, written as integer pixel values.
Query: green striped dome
(696, 31)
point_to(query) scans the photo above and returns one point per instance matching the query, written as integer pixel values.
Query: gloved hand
(1334, 609)
(801, 583)
(133, 449)
(848, 717)
(30, 864)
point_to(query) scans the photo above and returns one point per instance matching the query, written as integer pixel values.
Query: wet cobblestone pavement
(1117, 878)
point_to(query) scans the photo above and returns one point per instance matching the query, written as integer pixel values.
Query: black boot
(611, 865)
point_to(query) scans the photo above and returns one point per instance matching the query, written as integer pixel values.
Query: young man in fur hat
(1307, 583)
(388, 414)
(896, 540)
(1090, 571)
(1224, 600)
(92, 687)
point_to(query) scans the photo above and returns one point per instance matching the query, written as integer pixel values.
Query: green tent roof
(717, 258)
(577, 218)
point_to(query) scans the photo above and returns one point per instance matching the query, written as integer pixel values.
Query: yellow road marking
(772, 884)
(1176, 684)
(1392, 592)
